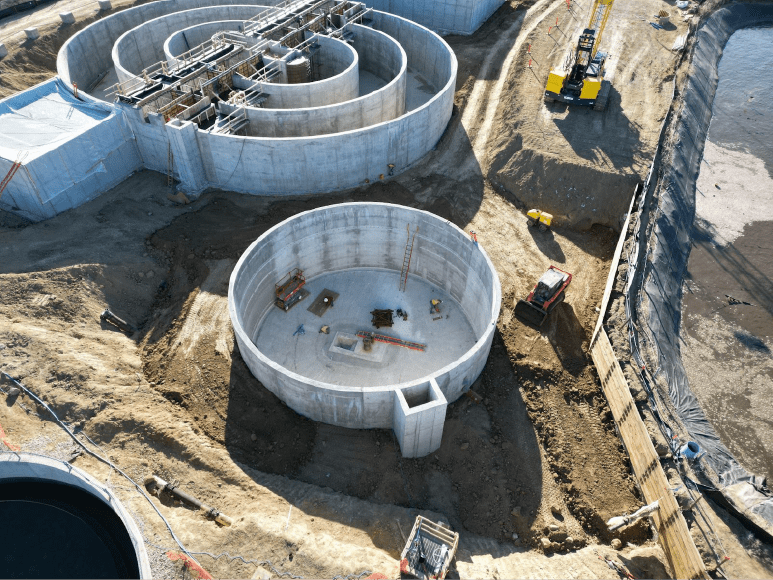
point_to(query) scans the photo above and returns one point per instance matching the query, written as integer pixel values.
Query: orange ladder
(14, 168)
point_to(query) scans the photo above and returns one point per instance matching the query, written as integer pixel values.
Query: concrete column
(187, 158)
(418, 417)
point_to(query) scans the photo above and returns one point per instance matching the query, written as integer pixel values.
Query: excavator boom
(598, 21)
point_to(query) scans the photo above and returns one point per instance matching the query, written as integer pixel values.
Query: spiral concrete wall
(342, 239)
(384, 99)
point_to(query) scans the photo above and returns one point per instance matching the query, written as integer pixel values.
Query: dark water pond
(54, 530)
(743, 268)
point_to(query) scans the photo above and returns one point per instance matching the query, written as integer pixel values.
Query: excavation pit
(358, 251)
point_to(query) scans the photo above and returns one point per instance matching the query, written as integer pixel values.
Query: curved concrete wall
(344, 86)
(373, 48)
(353, 144)
(188, 38)
(362, 235)
(143, 45)
(443, 16)
(27, 466)
(89, 53)
(340, 80)
(277, 166)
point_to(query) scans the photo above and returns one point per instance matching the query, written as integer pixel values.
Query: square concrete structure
(419, 414)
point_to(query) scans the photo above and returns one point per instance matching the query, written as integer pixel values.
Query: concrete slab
(324, 300)
(360, 292)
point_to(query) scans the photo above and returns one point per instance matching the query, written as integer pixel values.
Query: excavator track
(603, 97)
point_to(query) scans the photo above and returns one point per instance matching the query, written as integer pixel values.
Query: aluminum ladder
(407, 257)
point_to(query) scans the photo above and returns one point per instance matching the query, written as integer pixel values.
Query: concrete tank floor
(360, 292)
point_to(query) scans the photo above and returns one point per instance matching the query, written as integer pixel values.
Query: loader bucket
(527, 312)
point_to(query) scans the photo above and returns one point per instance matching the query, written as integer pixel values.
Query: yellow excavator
(585, 84)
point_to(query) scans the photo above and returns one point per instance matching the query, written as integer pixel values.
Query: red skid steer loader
(546, 295)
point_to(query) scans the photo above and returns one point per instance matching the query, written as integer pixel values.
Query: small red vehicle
(548, 293)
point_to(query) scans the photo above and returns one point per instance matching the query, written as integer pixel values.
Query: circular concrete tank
(379, 95)
(62, 523)
(354, 254)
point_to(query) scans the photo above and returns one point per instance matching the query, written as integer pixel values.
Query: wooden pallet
(672, 529)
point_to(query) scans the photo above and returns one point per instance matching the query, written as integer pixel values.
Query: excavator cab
(584, 84)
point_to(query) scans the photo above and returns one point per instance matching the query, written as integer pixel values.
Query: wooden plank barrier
(671, 526)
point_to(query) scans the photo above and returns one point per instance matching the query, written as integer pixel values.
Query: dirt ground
(537, 458)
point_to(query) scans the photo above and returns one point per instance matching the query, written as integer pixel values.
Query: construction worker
(434, 307)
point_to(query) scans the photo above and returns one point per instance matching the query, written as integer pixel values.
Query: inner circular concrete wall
(188, 38)
(334, 245)
(143, 45)
(104, 525)
(374, 51)
(340, 83)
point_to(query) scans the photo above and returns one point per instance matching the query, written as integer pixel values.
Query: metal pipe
(162, 485)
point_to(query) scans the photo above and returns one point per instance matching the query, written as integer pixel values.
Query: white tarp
(72, 150)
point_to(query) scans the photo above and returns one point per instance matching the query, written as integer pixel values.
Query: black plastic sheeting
(658, 303)
(22, 7)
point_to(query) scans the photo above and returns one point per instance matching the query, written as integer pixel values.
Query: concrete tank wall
(88, 54)
(289, 166)
(188, 38)
(382, 105)
(143, 46)
(362, 235)
(443, 16)
(344, 86)
(343, 148)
